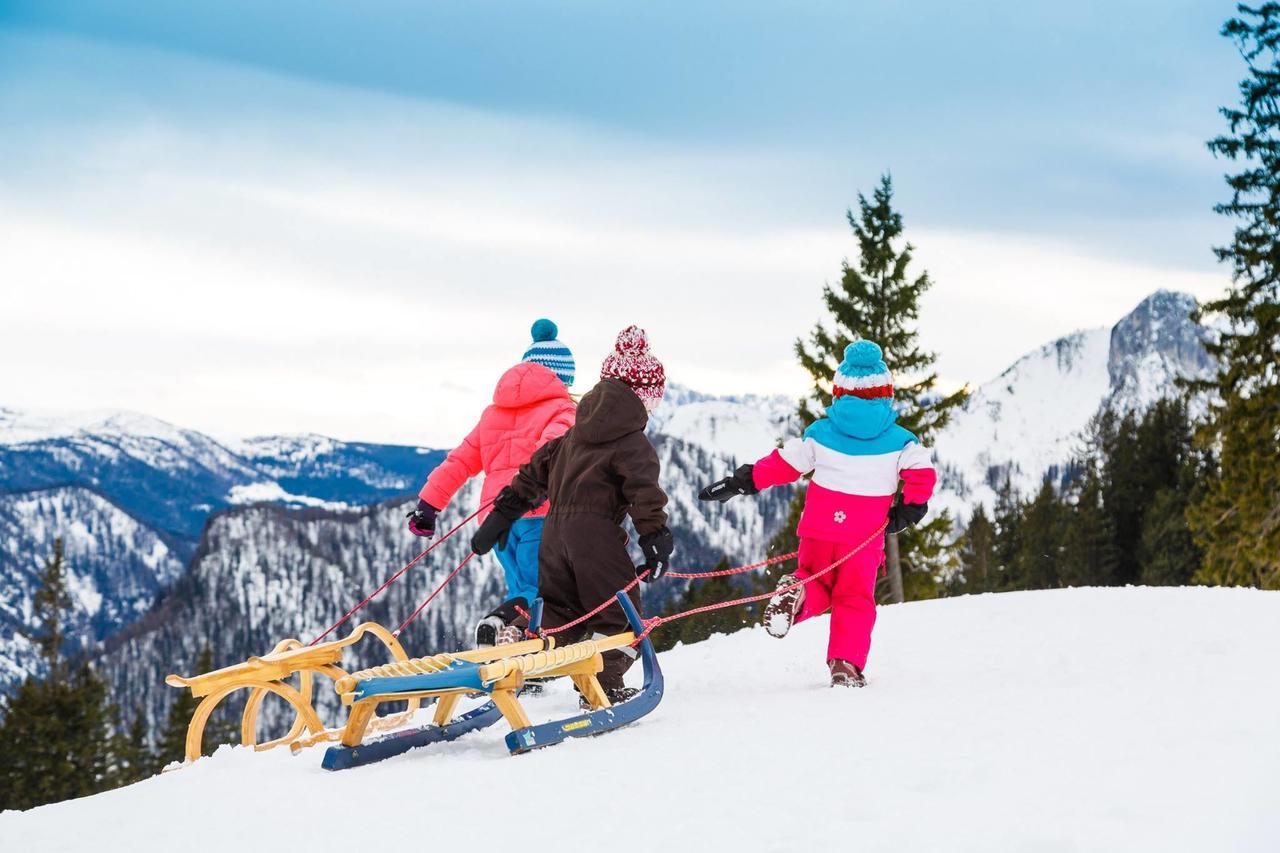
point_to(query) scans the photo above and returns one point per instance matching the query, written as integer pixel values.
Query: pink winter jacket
(530, 407)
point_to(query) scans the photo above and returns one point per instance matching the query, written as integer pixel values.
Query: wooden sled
(499, 672)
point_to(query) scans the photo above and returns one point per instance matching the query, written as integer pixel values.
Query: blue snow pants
(519, 558)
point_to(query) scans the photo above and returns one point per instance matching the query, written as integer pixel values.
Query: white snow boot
(780, 612)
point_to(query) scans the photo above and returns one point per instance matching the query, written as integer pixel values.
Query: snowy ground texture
(1075, 720)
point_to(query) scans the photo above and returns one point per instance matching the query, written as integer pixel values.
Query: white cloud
(366, 266)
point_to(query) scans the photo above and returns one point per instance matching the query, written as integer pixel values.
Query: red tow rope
(405, 568)
(650, 624)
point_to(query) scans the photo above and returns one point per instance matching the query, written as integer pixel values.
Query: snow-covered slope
(1028, 422)
(741, 428)
(1082, 719)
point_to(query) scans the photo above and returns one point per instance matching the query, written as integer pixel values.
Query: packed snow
(1088, 719)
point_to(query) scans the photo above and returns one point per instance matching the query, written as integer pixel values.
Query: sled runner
(500, 673)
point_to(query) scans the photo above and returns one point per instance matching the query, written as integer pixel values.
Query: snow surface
(1073, 720)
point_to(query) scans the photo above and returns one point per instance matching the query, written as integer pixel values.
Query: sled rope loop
(389, 581)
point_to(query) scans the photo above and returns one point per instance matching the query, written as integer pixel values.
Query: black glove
(741, 483)
(422, 521)
(508, 507)
(903, 516)
(657, 547)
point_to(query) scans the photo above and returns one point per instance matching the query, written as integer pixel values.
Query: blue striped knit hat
(549, 352)
(863, 373)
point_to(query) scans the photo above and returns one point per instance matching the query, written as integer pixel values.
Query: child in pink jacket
(531, 406)
(858, 454)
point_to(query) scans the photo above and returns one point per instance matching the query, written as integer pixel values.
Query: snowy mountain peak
(740, 427)
(1027, 423)
(1154, 343)
(24, 427)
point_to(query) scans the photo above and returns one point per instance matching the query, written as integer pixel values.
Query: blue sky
(685, 164)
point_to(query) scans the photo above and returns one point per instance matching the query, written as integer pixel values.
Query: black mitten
(740, 483)
(903, 516)
(508, 507)
(657, 547)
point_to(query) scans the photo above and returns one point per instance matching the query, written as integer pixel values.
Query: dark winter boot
(489, 631)
(780, 612)
(845, 674)
(616, 696)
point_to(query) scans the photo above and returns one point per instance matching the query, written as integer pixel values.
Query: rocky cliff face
(1155, 343)
(1029, 421)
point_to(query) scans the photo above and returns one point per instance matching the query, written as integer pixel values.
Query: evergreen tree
(51, 604)
(1123, 491)
(171, 745)
(1236, 520)
(1039, 554)
(56, 731)
(134, 759)
(1008, 524)
(1167, 554)
(878, 300)
(1088, 547)
(981, 569)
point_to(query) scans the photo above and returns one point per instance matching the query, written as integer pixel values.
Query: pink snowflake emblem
(839, 517)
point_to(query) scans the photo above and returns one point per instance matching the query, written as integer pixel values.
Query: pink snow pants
(848, 592)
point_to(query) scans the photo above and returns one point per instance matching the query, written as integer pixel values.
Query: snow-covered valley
(1124, 720)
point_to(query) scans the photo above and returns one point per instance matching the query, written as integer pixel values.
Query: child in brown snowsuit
(600, 470)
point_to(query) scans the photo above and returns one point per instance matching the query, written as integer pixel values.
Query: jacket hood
(860, 418)
(526, 384)
(609, 411)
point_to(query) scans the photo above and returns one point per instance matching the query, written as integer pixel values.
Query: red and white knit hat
(632, 362)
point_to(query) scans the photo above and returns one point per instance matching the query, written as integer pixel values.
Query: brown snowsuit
(600, 470)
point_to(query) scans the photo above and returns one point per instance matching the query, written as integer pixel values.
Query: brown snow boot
(780, 612)
(845, 674)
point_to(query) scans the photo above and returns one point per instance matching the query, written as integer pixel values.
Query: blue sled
(387, 746)
(606, 719)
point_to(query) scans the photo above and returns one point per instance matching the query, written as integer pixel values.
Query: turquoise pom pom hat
(549, 352)
(863, 373)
